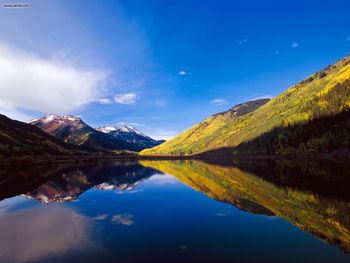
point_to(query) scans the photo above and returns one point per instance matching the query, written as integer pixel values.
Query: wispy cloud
(101, 217)
(243, 41)
(125, 98)
(295, 44)
(30, 82)
(105, 101)
(262, 97)
(219, 102)
(182, 73)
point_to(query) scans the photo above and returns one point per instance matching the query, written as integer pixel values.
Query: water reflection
(37, 233)
(320, 205)
(312, 196)
(71, 183)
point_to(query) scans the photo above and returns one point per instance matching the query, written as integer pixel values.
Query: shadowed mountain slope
(21, 139)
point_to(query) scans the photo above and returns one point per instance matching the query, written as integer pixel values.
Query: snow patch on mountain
(121, 129)
(54, 117)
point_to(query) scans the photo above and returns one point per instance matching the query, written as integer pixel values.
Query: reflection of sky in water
(161, 180)
(32, 234)
(160, 219)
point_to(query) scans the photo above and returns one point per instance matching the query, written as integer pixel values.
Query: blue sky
(161, 66)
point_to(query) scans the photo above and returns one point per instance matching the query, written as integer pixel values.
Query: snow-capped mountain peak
(120, 129)
(54, 117)
(106, 129)
(70, 117)
(130, 134)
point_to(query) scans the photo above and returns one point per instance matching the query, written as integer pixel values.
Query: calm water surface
(176, 211)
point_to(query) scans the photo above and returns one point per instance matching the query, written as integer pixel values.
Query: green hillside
(323, 94)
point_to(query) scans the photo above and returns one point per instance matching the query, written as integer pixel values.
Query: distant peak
(117, 128)
(106, 129)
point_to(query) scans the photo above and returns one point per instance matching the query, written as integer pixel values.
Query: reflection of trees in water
(325, 178)
(15, 180)
(277, 188)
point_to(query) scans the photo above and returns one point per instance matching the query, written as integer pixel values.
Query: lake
(176, 211)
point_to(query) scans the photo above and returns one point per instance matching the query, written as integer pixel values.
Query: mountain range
(62, 136)
(72, 130)
(131, 135)
(311, 117)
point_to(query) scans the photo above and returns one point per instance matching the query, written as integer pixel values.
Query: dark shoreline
(337, 156)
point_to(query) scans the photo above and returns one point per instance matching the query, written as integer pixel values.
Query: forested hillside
(311, 116)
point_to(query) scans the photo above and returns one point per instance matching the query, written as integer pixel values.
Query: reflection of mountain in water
(63, 183)
(69, 185)
(321, 208)
(21, 179)
(135, 175)
(312, 196)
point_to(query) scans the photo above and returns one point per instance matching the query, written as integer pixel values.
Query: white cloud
(295, 44)
(243, 41)
(262, 97)
(32, 83)
(219, 102)
(105, 101)
(182, 72)
(125, 98)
